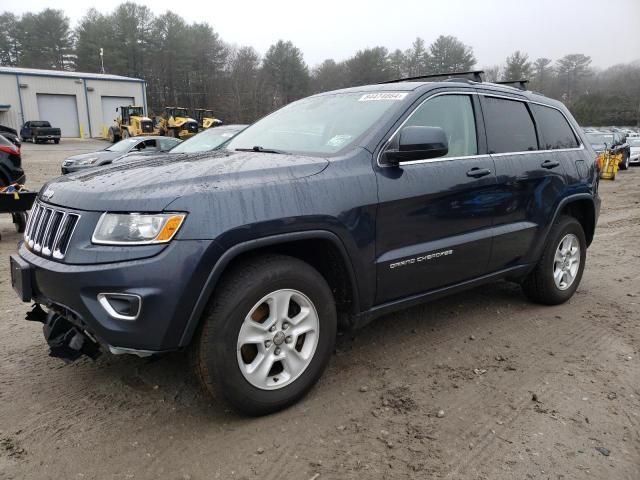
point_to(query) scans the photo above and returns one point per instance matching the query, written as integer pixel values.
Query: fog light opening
(121, 306)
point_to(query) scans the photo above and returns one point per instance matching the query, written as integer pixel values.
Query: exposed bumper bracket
(66, 341)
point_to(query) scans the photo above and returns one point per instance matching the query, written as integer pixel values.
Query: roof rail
(475, 74)
(519, 84)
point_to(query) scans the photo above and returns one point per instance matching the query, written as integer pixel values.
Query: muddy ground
(444, 390)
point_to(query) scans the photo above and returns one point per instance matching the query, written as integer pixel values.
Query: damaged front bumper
(74, 299)
(69, 341)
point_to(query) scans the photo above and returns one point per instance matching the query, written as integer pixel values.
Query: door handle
(476, 172)
(550, 164)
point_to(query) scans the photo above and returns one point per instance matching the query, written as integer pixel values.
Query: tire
(540, 285)
(624, 164)
(19, 221)
(56, 141)
(125, 133)
(218, 353)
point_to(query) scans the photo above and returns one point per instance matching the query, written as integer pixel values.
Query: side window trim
(481, 143)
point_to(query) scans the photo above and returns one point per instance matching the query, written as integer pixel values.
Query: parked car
(343, 206)
(39, 131)
(10, 163)
(150, 144)
(11, 135)
(615, 142)
(634, 150)
(205, 141)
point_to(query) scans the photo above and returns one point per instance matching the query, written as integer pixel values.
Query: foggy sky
(608, 31)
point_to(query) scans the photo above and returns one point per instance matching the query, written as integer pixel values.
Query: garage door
(109, 105)
(61, 111)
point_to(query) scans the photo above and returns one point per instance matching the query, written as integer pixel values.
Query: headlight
(136, 228)
(86, 161)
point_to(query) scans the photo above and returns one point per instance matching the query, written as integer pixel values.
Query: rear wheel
(557, 275)
(125, 133)
(268, 334)
(624, 164)
(56, 141)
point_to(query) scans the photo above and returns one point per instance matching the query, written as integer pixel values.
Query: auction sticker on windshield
(371, 97)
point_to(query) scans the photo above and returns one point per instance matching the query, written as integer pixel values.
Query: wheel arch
(583, 209)
(322, 249)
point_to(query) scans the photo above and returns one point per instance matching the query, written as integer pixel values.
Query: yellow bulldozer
(206, 118)
(131, 122)
(176, 122)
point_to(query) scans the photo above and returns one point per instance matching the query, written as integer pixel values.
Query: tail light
(10, 149)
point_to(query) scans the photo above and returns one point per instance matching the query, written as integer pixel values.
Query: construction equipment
(206, 118)
(131, 122)
(609, 163)
(176, 122)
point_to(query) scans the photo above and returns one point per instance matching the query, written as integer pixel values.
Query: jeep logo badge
(47, 194)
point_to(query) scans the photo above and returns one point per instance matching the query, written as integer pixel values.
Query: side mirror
(418, 143)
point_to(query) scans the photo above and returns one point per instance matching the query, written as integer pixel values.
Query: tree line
(190, 65)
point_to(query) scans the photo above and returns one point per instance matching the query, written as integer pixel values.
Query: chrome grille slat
(49, 230)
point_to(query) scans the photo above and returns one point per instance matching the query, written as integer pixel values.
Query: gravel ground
(483, 385)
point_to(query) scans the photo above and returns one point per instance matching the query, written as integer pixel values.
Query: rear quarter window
(509, 126)
(555, 131)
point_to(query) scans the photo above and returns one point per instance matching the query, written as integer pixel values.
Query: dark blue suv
(335, 209)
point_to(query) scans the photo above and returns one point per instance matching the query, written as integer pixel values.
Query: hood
(150, 184)
(102, 155)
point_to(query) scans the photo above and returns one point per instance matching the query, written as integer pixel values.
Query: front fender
(243, 247)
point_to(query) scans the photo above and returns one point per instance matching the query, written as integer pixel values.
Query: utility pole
(101, 60)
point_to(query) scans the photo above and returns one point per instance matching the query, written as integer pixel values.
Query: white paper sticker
(339, 140)
(392, 96)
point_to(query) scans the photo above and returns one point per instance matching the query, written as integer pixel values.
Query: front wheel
(125, 133)
(268, 334)
(557, 274)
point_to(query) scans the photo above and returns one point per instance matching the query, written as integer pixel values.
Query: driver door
(434, 216)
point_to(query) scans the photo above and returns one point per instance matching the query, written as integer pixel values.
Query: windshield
(134, 111)
(179, 112)
(600, 138)
(123, 145)
(207, 140)
(318, 125)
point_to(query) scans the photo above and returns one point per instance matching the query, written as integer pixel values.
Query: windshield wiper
(260, 149)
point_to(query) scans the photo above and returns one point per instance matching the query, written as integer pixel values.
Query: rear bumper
(167, 284)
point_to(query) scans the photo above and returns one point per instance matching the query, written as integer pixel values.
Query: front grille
(146, 126)
(49, 230)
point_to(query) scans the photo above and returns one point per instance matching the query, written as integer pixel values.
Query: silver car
(118, 150)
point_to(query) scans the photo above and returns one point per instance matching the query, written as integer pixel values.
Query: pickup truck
(39, 131)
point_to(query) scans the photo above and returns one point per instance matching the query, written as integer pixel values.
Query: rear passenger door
(530, 179)
(434, 216)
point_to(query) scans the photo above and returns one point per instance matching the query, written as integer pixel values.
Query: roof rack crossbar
(519, 84)
(476, 75)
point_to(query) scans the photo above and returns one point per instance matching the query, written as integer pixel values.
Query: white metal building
(80, 104)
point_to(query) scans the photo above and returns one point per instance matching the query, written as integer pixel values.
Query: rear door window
(509, 126)
(454, 114)
(555, 131)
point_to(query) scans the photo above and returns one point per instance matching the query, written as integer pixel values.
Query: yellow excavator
(176, 122)
(131, 122)
(206, 118)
